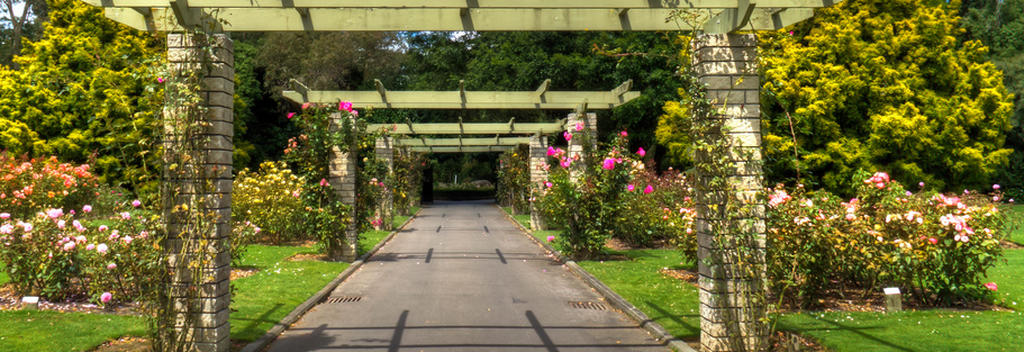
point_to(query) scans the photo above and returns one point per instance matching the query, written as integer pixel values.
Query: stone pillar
(344, 174)
(732, 297)
(588, 134)
(538, 175)
(386, 153)
(201, 180)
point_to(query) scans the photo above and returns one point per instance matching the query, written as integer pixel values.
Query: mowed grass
(1008, 277)
(1015, 223)
(259, 301)
(522, 219)
(369, 239)
(928, 330)
(670, 302)
(55, 331)
(263, 299)
(674, 304)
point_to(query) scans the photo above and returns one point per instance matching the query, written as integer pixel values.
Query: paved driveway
(461, 277)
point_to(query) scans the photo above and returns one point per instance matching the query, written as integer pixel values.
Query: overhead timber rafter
(502, 148)
(455, 15)
(483, 128)
(465, 142)
(541, 98)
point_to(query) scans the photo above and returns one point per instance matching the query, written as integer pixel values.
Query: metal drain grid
(587, 305)
(345, 299)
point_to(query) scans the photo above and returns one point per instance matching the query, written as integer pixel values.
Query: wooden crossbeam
(486, 128)
(462, 99)
(465, 142)
(618, 5)
(489, 149)
(333, 18)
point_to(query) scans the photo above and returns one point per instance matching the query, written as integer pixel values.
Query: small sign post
(893, 299)
(30, 303)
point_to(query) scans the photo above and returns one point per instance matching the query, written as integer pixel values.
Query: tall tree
(1000, 25)
(883, 85)
(87, 88)
(9, 13)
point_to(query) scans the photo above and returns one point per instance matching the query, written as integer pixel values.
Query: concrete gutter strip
(613, 298)
(300, 310)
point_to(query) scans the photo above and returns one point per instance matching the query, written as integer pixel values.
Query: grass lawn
(674, 305)
(668, 301)
(522, 219)
(1008, 276)
(1016, 223)
(930, 330)
(259, 302)
(53, 331)
(263, 299)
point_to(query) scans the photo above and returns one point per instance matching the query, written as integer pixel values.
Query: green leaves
(883, 85)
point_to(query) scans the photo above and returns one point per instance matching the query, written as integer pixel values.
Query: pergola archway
(726, 62)
(343, 168)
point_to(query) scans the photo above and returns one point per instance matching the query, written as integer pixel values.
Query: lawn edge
(301, 310)
(609, 295)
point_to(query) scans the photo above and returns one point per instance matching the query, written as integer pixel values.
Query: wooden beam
(477, 4)
(486, 128)
(383, 92)
(733, 19)
(488, 149)
(466, 142)
(428, 19)
(596, 100)
(542, 90)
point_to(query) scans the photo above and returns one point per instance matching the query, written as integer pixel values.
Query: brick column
(575, 152)
(538, 175)
(343, 177)
(732, 301)
(205, 184)
(386, 210)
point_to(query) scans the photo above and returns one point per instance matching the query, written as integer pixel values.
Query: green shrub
(936, 247)
(271, 200)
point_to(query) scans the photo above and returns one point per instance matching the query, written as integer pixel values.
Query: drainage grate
(587, 305)
(344, 299)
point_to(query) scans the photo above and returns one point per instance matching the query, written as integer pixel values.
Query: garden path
(462, 277)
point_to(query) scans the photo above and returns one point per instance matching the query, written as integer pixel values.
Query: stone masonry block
(719, 68)
(708, 54)
(725, 40)
(219, 98)
(219, 84)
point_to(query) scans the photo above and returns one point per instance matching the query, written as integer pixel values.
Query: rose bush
(28, 185)
(936, 247)
(60, 255)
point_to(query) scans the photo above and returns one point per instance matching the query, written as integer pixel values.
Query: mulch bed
(1010, 245)
(11, 301)
(308, 256)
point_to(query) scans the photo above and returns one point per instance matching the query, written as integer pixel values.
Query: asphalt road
(461, 277)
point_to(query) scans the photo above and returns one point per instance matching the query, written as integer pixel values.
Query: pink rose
(111, 266)
(992, 286)
(567, 135)
(136, 203)
(641, 152)
(5, 216)
(291, 115)
(608, 164)
(345, 105)
(649, 189)
(933, 240)
(102, 248)
(70, 246)
(87, 208)
(623, 133)
(630, 187)
(106, 297)
(551, 238)
(103, 228)
(579, 126)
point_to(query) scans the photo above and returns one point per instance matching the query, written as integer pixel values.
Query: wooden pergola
(720, 16)
(725, 61)
(540, 99)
